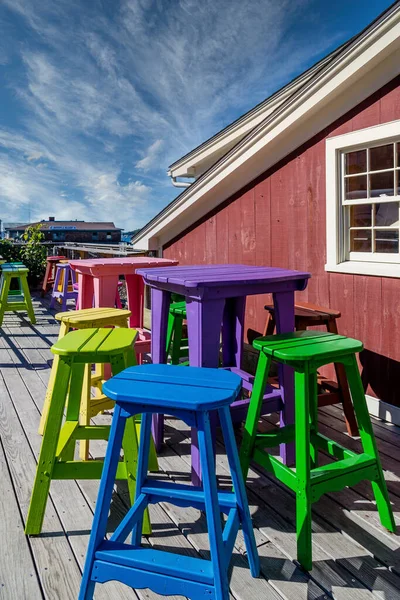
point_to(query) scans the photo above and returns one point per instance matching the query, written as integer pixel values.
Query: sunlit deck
(354, 558)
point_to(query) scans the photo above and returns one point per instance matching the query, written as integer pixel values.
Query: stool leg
(303, 492)
(72, 412)
(65, 289)
(63, 331)
(143, 462)
(217, 551)
(103, 501)
(5, 288)
(369, 444)
(46, 277)
(253, 413)
(55, 287)
(176, 341)
(48, 449)
(28, 299)
(349, 416)
(239, 489)
(170, 333)
(313, 404)
(84, 418)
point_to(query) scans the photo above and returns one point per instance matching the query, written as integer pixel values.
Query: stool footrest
(276, 437)
(155, 562)
(275, 466)
(91, 469)
(184, 495)
(331, 447)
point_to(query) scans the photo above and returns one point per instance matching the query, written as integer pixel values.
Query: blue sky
(98, 97)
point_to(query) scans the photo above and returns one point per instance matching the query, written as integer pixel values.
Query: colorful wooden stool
(87, 318)
(118, 303)
(306, 352)
(177, 346)
(189, 394)
(63, 286)
(56, 459)
(50, 273)
(331, 392)
(17, 299)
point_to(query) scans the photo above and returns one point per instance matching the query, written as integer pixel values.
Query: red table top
(118, 266)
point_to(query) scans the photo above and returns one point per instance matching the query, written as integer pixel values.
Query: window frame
(358, 262)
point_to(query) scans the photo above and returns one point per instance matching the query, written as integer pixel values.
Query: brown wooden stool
(331, 392)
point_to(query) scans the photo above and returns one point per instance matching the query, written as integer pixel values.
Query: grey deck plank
(346, 534)
(67, 496)
(18, 578)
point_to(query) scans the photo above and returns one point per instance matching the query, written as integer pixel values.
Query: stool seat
(307, 345)
(85, 342)
(88, 318)
(171, 386)
(178, 308)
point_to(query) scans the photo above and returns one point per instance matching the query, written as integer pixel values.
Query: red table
(98, 277)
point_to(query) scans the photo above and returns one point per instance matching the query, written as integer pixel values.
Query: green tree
(33, 253)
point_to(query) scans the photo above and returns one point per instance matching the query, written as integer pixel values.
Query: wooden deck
(354, 558)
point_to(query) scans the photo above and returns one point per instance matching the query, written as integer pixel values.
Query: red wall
(279, 220)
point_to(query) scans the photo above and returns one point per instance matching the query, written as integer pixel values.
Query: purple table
(216, 294)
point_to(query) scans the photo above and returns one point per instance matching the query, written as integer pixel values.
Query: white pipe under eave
(180, 184)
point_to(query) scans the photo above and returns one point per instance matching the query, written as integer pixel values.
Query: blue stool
(189, 394)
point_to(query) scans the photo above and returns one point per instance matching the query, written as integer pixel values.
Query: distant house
(70, 231)
(310, 179)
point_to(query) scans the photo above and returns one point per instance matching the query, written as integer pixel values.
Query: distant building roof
(52, 225)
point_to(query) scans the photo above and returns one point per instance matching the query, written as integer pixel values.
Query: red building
(310, 179)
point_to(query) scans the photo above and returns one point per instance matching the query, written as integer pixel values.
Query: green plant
(33, 253)
(9, 251)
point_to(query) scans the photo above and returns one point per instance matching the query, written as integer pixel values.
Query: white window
(363, 201)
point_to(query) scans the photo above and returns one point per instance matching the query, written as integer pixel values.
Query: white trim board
(383, 410)
(334, 146)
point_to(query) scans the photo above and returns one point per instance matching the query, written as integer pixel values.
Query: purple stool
(65, 278)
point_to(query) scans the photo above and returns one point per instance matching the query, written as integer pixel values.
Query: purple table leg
(160, 301)
(284, 317)
(204, 320)
(232, 331)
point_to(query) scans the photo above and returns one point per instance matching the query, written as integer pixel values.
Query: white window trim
(334, 147)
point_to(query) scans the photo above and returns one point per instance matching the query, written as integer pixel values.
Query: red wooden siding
(279, 220)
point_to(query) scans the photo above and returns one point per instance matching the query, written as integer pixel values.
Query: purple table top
(195, 276)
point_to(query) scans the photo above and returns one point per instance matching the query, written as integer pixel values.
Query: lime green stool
(56, 460)
(18, 299)
(177, 346)
(306, 352)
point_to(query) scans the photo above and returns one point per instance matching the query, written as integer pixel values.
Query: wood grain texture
(288, 229)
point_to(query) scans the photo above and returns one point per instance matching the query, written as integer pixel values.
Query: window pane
(398, 154)
(382, 184)
(355, 162)
(360, 240)
(386, 241)
(381, 158)
(361, 215)
(386, 214)
(356, 187)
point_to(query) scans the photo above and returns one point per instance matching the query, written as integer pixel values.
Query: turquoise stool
(190, 394)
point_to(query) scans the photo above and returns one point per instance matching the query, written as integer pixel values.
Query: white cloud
(110, 93)
(151, 156)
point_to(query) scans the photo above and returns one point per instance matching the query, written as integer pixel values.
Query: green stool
(17, 299)
(306, 352)
(56, 461)
(177, 346)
